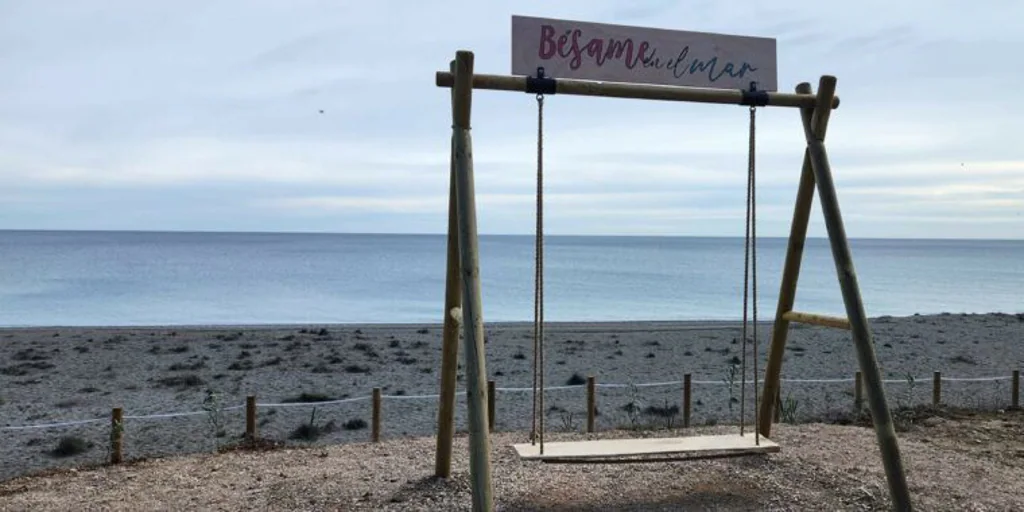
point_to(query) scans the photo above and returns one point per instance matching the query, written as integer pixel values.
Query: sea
(91, 278)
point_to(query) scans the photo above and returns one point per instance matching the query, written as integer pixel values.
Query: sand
(68, 374)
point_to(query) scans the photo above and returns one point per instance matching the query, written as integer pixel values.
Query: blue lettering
(681, 65)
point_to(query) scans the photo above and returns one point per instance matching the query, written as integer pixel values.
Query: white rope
(642, 384)
(551, 388)
(54, 425)
(977, 379)
(416, 397)
(503, 390)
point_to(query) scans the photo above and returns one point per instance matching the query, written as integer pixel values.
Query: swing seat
(648, 449)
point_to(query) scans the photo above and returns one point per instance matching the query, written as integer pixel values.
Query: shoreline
(54, 374)
(560, 324)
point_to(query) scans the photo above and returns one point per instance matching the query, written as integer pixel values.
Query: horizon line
(565, 235)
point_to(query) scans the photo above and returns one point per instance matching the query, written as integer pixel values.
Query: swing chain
(538, 309)
(753, 256)
(750, 260)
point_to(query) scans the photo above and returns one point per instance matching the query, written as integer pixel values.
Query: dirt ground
(955, 460)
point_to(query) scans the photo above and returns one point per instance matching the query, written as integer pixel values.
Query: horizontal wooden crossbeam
(813, 319)
(631, 90)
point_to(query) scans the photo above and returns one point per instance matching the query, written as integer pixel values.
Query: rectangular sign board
(619, 53)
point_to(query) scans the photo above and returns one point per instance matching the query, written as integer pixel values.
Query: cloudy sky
(205, 115)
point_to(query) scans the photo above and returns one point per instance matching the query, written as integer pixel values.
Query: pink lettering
(577, 55)
(561, 45)
(640, 57)
(593, 50)
(547, 42)
(573, 46)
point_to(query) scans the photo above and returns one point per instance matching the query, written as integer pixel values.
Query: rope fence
(251, 406)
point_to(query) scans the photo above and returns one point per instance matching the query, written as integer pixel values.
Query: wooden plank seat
(647, 449)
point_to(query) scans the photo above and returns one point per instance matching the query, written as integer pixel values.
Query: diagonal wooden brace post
(450, 334)
(863, 344)
(790, 272)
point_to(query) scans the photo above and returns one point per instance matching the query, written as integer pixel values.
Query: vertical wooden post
(687, 396)
(450, 335)
(858, 391)
(790, 275)
(375, 420)
(116, 435)
(472, 314)
(936, 388)
(250, 418)
(591, 402)
(863, 343)
(1015, 390)
(491, 414)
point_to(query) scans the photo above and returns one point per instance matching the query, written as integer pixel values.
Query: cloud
(205, 115)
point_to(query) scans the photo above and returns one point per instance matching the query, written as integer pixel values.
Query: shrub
(355, 424)
(576, 380)
(181, 381)
(312, 431)
(69, 446)
(309, 398)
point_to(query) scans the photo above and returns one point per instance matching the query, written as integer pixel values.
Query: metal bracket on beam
(754, 97)
(541, 84)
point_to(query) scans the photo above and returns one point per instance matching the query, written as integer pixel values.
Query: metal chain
(538, 296)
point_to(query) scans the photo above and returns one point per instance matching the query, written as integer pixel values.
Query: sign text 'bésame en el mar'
(618, 53)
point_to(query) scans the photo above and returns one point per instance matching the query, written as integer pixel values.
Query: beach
(55, 375)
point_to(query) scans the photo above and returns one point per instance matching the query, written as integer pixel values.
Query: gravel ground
(954, 462)
(67, 374)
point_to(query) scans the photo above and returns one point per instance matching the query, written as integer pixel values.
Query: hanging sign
(619, 53)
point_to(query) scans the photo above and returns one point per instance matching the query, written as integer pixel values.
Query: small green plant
(911, 383)
(633, 408)
(214, 415)
(568, 421)
(730, 380)
(787, 409)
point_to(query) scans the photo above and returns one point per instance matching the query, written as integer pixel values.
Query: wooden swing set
(751, 83)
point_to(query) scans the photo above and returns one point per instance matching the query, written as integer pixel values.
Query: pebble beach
(182, 389)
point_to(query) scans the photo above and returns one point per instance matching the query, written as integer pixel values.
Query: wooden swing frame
(463, 307)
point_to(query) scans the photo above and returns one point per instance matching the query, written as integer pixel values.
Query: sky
(206, 116)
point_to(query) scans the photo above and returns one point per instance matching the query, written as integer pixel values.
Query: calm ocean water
(139, 278)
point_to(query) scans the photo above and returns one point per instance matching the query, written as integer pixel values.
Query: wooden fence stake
(858, 391)
(490, 405)
(116, 435)
(250, 418)
(1015, 390)
(686, 400)
(591, 402)
(936, 388)
(375, 433)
